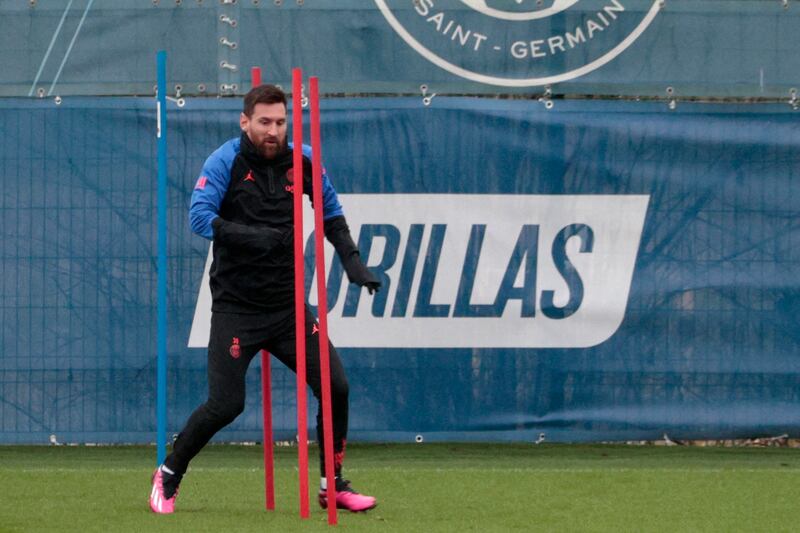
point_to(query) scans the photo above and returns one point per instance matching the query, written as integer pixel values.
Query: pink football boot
(159, 503)
(347, 498)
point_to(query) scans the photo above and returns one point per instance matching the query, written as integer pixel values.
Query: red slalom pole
(299, 290)
(269, 461)
(266, 391)
(322, 297)
(255, 77)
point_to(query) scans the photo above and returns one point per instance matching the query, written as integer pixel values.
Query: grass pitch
(425, 487)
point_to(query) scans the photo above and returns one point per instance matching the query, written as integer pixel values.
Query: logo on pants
(235, 350)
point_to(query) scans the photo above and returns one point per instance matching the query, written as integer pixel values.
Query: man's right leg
(228, 360)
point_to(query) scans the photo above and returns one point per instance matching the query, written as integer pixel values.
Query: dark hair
(263, 94)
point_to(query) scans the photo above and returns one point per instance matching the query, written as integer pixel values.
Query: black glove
(358, 273)
(260, 240)
(338, 233)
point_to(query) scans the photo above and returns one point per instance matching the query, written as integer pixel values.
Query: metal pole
(161, 401)
(266, 392)
(269, 460)
(322, 297)
(299, 290)
(255, 77)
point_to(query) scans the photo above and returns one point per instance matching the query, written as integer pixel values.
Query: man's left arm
(338, 234)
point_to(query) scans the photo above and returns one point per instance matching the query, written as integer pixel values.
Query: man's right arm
(208, 194)
(209, 191)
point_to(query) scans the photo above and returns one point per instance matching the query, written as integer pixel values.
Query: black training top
(245, 202)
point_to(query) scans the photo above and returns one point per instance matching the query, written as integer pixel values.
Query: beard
(270, 151)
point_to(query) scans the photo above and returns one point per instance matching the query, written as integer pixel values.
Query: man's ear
(244, 121)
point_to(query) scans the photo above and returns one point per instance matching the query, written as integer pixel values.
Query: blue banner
(589, 270)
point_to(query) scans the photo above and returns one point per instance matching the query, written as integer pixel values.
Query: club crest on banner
(519, 43)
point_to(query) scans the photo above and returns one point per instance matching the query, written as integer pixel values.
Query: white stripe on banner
(512, 271)
(69, 48)
(50, 48)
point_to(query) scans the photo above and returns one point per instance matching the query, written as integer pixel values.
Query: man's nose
(272, 130)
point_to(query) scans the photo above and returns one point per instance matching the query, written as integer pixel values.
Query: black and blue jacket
(244, 203)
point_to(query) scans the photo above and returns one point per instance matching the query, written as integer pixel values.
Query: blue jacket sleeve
(210, 189)
(330, 200)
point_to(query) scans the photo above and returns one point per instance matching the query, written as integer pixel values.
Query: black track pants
(235, 340)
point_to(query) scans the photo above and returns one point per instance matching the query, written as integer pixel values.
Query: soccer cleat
(347, 498)
(159, 502)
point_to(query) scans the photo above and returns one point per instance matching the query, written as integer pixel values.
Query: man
(243, 201)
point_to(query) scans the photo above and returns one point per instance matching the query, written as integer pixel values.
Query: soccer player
(243, 201)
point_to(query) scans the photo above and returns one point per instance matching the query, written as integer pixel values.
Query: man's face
(266, 128)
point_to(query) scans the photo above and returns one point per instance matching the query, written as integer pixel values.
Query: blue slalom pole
(161, 401)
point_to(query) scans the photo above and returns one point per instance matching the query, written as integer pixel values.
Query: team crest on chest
(290, 179)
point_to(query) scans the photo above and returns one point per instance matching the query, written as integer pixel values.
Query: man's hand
(261, 240)
(373, 286)
(358, 273)
(287, 240)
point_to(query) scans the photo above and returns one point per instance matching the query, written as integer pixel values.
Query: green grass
(426, 487)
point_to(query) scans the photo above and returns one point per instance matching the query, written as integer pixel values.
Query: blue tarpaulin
(671, 233)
